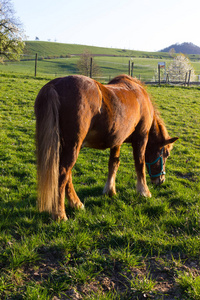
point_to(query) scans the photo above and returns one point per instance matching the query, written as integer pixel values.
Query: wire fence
(145, 69)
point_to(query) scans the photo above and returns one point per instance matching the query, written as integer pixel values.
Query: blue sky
(148, 25)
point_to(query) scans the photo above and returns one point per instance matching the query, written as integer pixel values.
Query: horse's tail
(48, 146)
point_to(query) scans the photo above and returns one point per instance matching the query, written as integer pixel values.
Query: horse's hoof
(59, 218)
(82, 206)
(109, 192)
(146, 194)
(78, 205)
(65, 218)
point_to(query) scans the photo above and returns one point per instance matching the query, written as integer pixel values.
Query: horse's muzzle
(158, 180)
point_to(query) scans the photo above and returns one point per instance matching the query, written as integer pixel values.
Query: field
(109, 67)
(127, 247)
(58, 49)
(55, 59)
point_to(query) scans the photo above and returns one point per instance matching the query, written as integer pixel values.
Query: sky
(146, 25)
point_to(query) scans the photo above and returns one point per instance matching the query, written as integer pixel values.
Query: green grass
(109, 67)
(58, 49)
(144, 68)
(189, 284)
(56, 59)
(126, 247)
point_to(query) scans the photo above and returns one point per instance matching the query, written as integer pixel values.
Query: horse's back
(100, 116)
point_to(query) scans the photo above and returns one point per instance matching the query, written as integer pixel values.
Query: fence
(145, 69)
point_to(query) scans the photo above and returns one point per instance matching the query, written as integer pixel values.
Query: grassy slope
(49, 48)
(120, 248)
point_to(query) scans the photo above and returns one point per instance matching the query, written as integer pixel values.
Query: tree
(11, 33)
(172, 52)
(84, 64)
(180, 66)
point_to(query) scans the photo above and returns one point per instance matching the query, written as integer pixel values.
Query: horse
(76, 111)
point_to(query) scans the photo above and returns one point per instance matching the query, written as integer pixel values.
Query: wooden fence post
(91, 67)
(159, 74)
(132, 66)
(189, 77)
(36, 58)
(129, 68)
(186, 78)
(167, 78)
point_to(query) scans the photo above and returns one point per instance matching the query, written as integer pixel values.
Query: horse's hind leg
(67, 161)
(72, 197)
(112, 170)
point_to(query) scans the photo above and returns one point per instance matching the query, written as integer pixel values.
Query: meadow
(109, 67)
(125, 247)
(55, 59)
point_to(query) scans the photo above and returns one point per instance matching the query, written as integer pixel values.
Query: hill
(185, 48)
(45, 49)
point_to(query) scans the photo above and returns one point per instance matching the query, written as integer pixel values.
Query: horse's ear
(170, 141)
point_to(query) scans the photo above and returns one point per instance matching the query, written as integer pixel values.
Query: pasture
(125, 247)
(109, 67)
(55, 59)
(144, 68)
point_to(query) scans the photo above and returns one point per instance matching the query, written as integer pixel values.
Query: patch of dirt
(189, 176)
(161, 270)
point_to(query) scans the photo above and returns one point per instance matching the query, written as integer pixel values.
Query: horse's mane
(161, 125)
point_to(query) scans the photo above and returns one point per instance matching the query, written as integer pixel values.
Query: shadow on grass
(21, 214)
(90, 192)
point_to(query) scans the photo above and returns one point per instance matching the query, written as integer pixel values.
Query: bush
(178, 69)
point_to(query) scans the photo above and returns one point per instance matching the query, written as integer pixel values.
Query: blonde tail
(48, 147)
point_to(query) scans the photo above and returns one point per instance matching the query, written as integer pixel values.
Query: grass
(144, 68)
(126, 247)
(189, 284)
(109, 67)
(60, 61)
(58, 49)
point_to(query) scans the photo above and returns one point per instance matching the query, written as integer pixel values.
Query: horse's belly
(91, 139)
(99, 140)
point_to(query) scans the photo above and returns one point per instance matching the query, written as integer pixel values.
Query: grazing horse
(75, 112)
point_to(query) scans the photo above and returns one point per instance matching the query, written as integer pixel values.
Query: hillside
(58, 49)
(185, 48)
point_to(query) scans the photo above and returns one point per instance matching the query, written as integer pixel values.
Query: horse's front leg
(113, 166)
(139, 157)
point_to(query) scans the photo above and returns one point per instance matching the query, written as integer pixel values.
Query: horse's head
(156, 156)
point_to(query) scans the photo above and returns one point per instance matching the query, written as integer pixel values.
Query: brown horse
(75, 112)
